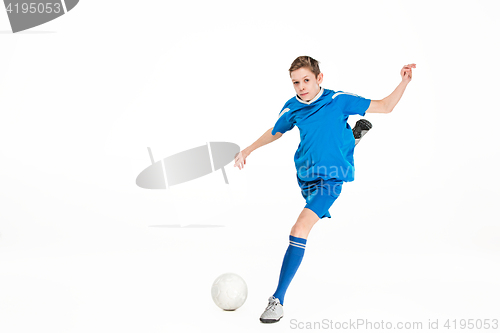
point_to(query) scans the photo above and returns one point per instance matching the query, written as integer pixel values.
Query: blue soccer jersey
(326, 141)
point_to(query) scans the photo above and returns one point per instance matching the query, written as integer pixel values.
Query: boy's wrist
(248, 149)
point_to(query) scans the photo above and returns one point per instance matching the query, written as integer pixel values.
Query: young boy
(324, 158)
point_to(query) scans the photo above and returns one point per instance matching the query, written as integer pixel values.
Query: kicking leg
(295, 251)
(291, 262)
(304, 224)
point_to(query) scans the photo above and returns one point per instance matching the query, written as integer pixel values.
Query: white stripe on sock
(297, 244)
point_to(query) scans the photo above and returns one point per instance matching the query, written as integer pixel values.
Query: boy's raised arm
(267, 137)
(387, 104)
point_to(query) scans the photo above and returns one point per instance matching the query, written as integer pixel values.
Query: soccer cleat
(361, 128)
(273, 312)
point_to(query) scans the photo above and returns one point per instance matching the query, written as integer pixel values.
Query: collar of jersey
(312, 100)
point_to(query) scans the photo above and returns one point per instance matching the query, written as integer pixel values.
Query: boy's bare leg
(293, 256)
(304, 224)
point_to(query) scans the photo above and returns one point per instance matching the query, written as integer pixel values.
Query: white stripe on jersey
(284, 110)
(346, 93)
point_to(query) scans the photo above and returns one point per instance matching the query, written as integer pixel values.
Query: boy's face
(306, 85)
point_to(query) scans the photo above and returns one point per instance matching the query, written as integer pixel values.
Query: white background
(83, 249)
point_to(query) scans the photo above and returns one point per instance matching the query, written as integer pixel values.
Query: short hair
(307, 62)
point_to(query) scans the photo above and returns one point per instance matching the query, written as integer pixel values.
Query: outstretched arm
(387, 104)
(268, 137)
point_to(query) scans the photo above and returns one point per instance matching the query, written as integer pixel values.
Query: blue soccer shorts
(320, 194)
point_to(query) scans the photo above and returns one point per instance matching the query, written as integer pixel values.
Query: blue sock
(291, 262)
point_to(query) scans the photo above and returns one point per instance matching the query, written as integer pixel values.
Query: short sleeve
(354, 104)
(284, 123)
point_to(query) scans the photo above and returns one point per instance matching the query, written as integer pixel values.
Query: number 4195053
(33, 8)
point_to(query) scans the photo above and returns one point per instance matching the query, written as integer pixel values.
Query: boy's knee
(304, 223)
(300, 229)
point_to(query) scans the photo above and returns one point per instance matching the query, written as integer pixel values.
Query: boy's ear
(320, 78)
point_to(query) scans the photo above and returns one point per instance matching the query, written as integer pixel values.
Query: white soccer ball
(229, 291)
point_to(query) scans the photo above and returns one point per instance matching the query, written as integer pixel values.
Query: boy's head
(306, 77)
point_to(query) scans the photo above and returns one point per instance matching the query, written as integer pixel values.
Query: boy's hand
(241, 159)
(406, 72)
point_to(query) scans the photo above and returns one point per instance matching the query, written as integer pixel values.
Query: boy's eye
(307, 80)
